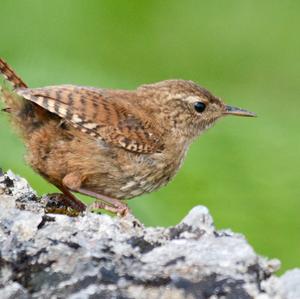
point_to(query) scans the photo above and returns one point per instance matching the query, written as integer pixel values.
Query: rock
(98, 256)
(290, 283)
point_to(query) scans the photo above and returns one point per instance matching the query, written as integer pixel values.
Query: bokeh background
(246, 171)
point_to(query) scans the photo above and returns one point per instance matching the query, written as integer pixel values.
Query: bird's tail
(25, 115)
(11, 76)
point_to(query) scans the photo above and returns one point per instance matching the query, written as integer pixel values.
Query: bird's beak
(237, 111)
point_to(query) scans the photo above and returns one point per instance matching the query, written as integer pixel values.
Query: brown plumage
(110, 144)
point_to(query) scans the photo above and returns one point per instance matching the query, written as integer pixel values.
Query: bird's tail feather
(25, 115)
(11, 75)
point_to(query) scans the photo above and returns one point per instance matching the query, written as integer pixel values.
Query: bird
(110, 144)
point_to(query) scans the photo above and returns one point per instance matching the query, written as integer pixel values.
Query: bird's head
(189, 108)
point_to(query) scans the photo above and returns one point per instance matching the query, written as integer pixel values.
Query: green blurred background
(246, 171)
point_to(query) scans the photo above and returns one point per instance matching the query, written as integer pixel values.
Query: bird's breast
(150, 172)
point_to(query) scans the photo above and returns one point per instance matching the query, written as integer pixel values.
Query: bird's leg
(106, 203)
(73, 182)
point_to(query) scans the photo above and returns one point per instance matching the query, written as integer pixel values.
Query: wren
(107, 143)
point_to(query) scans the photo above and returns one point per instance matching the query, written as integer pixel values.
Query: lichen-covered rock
(98, 256)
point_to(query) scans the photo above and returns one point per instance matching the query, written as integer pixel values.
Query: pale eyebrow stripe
(193, 99)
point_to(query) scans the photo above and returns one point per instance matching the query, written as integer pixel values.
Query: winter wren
(110, 144)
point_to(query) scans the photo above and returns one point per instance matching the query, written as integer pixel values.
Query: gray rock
(290, 284)
(98, 256)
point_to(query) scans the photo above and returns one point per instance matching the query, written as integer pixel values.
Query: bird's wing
(112, 118)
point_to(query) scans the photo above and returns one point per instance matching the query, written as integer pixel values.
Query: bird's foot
(119, 209)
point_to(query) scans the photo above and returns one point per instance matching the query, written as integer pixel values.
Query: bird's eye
(199, 107)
